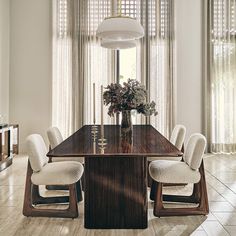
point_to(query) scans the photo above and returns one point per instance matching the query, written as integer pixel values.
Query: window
(79, 60)
(128, 65)
(222, 75)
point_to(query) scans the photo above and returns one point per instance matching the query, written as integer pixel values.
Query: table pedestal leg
(116, 192)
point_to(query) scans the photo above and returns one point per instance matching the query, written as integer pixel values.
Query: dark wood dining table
(115, 174)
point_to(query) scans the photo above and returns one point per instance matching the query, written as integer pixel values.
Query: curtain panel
(156, 53)
(79, 60)
(221, 83)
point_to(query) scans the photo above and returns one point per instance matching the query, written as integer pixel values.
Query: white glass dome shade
(120, 28)
(116, 45)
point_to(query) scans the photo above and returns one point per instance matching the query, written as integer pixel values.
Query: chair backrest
(178, 136)
(54, 136)
(194, 150)
(37, 151)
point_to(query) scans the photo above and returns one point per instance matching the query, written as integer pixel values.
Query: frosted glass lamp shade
(120, 28)
(116, 45)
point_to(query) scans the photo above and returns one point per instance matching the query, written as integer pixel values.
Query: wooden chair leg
(83, 181)
(204, 205)
(29, 210)
(158, 204)
(153, 190)
(27, 205)
(79, 191)
(196, 192)
(149, 178)
(73, 207)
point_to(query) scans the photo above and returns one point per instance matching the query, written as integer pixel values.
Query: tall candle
(94, 118)
(94, 147)
(147, 98)
(102, 126)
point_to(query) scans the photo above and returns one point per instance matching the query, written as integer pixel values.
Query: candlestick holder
(102, 149)
(94, 127)
(94, 131)
(102, 142)
(94, 137)
(102, 145)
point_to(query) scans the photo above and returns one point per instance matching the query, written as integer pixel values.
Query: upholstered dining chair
(55, 138)
(191, 170)
(177, 139)
(40, 172)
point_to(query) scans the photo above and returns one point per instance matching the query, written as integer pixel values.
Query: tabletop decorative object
(94, 127)
(102, 142)
(123, 99)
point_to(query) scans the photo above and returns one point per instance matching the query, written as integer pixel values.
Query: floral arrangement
(132, 95)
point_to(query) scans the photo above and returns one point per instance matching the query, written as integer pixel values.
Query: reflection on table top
(146, 141)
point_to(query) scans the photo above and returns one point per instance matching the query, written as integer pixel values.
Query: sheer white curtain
(79, 60)
(161, 30)
(62, 69)
(222, 81)
(155, 59)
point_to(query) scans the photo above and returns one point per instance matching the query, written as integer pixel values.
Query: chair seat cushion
(165, 158)
(79, 159)
(58, 173)
(173, 172)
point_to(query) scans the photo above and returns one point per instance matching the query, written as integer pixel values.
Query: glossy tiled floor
(221, 181)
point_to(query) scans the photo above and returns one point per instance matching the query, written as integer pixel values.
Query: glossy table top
(146, 141)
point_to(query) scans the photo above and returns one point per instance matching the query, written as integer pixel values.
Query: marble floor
(221, 183)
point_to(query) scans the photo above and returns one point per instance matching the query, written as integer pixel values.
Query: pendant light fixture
(118, 32)
(116, 45)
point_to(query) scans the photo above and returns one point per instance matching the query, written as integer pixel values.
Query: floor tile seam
(221, 225)
(221, 183)
(219, 221)
(227, 230)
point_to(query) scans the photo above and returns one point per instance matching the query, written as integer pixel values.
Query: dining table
(115, 172)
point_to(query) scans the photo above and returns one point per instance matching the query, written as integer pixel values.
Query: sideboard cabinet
(9, 140)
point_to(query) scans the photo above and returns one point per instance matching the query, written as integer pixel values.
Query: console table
(9, 139)
(116, 179)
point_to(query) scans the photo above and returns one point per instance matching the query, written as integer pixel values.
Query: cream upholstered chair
(40, 172)
(55, 138)
(177, 139)
(191, 170)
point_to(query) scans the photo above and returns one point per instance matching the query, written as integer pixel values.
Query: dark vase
(126, 126)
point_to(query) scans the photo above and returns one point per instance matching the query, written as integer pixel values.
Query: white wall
(189, 64)
(4, 58)
(31, 67)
